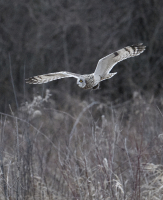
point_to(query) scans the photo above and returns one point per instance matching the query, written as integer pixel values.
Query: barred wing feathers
(50, 77)
(106, 64)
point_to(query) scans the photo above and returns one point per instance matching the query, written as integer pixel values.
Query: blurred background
(38, 37)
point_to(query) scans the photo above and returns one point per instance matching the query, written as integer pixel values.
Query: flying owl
(101, 73)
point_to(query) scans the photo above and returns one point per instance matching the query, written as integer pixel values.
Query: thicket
(38, 37)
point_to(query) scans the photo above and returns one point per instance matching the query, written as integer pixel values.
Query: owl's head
(81, 82)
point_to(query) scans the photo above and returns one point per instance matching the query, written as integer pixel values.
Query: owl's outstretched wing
(106, 64)
(51, 77)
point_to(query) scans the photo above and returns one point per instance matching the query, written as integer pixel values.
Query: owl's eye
(81, 81)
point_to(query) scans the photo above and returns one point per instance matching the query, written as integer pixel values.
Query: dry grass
(83, 151)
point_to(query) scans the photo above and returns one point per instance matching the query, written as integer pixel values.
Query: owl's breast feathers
(90, 82)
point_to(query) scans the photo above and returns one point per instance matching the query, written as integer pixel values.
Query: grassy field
(83, 150)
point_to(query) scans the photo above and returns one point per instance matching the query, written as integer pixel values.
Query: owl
(101, 73)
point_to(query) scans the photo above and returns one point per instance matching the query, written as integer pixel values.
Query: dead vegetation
(91, 151)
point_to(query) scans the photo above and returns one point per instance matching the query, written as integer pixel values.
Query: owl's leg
(96, 87)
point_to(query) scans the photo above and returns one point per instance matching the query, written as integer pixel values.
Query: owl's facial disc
(81, 82)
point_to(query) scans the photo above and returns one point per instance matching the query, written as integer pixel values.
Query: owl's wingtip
(27, 80)
(138, 48)
(139, 45)
(31, 80)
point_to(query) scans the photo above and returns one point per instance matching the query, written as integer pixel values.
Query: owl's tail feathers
(110, 75)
